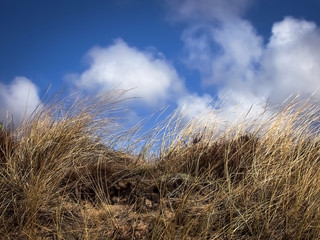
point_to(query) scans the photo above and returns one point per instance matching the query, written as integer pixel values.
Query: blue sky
(178, 53)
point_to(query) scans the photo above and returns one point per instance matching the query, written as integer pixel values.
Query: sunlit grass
(68, 173)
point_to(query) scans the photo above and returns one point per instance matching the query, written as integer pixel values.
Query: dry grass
(66, 174)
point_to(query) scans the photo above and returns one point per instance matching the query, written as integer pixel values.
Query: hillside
(64, 175)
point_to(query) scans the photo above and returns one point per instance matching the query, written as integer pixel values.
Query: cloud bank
(233, 58)
(18, 100)
(147, 74)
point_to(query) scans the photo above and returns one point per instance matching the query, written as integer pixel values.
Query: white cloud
(243, 106)
(241, 51)
(232, 109)
(18, 99)
(289, 31)
(254, 73)
(119, 66)
(232, 57)
(198, 48)
(198, 112)
(227, 54)
(199, 10)
(291, 62)
(192, 105)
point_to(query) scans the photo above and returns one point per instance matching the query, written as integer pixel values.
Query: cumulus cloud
(291, 62)
(18, 99)
(238, 59)
(147, 74)
(222, 54)
(232, 57)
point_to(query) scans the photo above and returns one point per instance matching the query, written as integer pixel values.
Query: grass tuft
(68, 173)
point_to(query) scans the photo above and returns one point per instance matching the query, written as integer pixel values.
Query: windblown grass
(67, 174)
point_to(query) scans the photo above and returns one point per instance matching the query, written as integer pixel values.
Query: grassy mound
(66, 174)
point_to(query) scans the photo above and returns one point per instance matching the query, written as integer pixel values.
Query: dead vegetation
(64, 176)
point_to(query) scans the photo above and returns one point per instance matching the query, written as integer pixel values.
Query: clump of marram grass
(64, 175)
(257, 185)
(36, 168)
